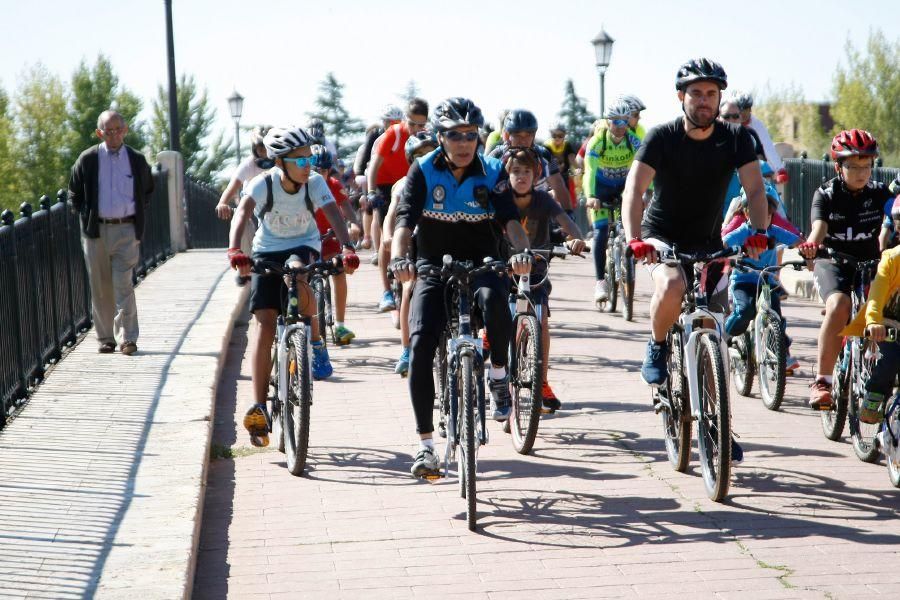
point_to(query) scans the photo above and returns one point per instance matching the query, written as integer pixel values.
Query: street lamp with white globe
(603, 44)
(236, 106)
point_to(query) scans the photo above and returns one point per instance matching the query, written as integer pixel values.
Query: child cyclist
(537, 209)
(744, 284)
(284, 201)
(607, 159)
(324, 165)
(418, 144)
(883, 303)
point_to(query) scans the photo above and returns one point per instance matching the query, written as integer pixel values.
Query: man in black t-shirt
(847, 213)
(691, 161)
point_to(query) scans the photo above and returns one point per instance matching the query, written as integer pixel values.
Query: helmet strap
(697, 125)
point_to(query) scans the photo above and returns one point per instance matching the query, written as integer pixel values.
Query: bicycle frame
(692, 337)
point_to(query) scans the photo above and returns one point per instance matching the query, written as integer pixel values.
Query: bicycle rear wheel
(891, 438)
(441, 385)
(833, 420)
(466, 423)
(525, 374)
(742, 367)
(612, 280)
(714, 426)
(773, 363)
(275, 401)
(627, 285)
(299, 396)
(319, 291)
(677, 423)
(862, 434)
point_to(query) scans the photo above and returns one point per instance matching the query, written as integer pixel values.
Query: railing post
(9, 219)
(25, 211)
(61, 197)
(54, 297)
(173, 164)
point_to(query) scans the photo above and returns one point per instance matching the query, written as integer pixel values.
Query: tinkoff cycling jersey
(854, 219)
(606, 163)
(459, 218)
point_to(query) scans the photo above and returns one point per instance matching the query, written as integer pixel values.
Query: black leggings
(427, 319)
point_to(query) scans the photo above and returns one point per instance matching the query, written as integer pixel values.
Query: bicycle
(320, 282)
(889, 434)
(291, 379)
(697, 388)
(462, 406)
(849, 368)
(620, 269)
(763, 347)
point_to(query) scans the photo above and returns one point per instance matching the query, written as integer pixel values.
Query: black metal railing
(205, 229)
(805, 176)
(45, 298)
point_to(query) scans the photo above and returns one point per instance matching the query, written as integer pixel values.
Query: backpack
(606, 134)
(270, 200)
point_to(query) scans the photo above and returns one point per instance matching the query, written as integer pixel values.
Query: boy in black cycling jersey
(847, 213)
(536, 211)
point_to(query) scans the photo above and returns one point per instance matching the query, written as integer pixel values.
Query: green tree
(10, 181)
(866, 93)
(788, 115)
(40, 119)
(340, 127)
(205, 152)
(93, 90)
(411, 91)
(575, 114)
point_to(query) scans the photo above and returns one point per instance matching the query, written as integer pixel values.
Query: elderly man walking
(110, 187)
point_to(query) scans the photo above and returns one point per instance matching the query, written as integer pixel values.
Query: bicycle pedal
(547, 411)
(432, 476)
(260, 441)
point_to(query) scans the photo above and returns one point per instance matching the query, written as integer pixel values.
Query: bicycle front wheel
(275, 400)
(466, 464)
(295, 416)
(677, 422)
(774, 362)
(612, 278)
(833, 420)
(526, 383)
(714, 426)
(742, 367)
(891, 440)
(862, 434)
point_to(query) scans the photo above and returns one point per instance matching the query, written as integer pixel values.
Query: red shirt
(339, 197)
(391, 147)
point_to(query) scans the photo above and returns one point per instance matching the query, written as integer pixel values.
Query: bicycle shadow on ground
(359, 466)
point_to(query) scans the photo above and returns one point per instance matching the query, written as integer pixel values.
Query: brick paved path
(596, 511)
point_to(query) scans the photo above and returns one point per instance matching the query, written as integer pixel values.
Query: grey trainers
(501, 399)
(426, 463)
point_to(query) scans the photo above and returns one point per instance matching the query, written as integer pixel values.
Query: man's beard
(702, 121)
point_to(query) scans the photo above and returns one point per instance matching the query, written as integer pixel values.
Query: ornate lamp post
(236, 106)
(603, 51)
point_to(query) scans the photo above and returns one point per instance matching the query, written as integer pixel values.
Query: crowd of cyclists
(428, 182)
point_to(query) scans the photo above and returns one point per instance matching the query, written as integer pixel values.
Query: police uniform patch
(438, 194)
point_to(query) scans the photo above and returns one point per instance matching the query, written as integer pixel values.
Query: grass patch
(217, 451)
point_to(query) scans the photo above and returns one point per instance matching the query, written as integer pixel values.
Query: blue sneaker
(321, 366)
(387, 302)
(402, 366)
(654, 370)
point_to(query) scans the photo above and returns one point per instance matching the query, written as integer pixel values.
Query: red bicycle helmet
(855, 142)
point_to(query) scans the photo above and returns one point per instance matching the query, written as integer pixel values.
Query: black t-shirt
(536, 219)
(691, 180)
(854, 220)
(462, 240)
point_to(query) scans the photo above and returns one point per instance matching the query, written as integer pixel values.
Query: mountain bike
(291, 379)
(696, 388)
(849, 368)
(619, 266)
(462, 406)
(763, 347)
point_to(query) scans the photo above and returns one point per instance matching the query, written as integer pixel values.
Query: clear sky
(511, 53)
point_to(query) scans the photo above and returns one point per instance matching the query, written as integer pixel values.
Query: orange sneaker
(550, 401)
(820, 395)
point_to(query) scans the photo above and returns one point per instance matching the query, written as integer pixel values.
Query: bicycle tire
(276, 409)
(466, 424)
(319, 292)
(296, 410)
(862, 435)
(526, 377)
(677, 424)
(441, 387)
(833, 420)
(742, 365)
(714, 425)
(892, 443)
(772, 375)
(627, 287)
(612, 280)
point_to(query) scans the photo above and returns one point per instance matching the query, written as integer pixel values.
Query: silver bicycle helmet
(280, 142)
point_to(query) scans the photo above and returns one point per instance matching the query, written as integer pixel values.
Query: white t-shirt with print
(246, 171)
(289, 224)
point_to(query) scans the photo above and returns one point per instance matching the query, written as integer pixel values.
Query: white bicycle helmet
(618, 110)
(391, 113)
(280, 142)
(743, 100)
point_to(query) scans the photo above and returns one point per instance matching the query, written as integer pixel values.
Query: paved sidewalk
(101, 474)
(596, 511)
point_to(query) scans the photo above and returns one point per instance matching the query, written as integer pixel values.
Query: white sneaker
(601, 291)
(426, 462)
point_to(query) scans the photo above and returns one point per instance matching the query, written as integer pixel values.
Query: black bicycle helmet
(423, 140)
(700, 69)
(520, 120)
(323, 157)
(455, 112)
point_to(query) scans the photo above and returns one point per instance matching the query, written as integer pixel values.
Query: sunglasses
(301, 161)
(412, 123)
(458, 136)
(619, 122)
(731, 116)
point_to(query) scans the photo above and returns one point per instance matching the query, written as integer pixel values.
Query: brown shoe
(107, 348)
(820, 395)
(128, 348)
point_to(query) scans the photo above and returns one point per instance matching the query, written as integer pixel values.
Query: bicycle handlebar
(333, 266)
(675, 257)
(464, 269)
